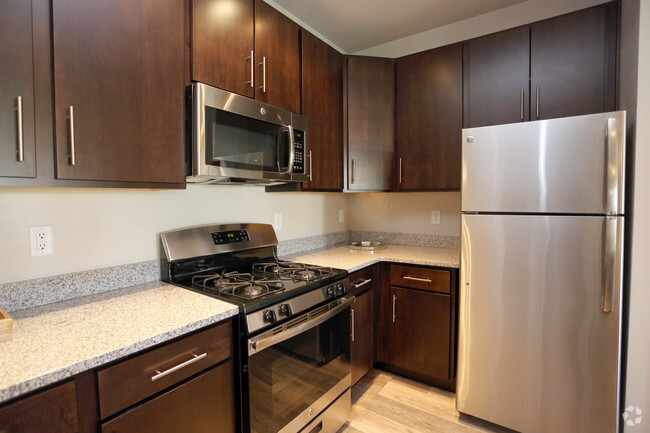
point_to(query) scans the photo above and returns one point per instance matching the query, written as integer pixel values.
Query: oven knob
(269, 316)
(330, 292)
(285, 310)
(340, 289)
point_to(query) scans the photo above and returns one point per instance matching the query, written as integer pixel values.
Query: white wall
(100, 228)
(501, 19)
(638, 356)
(405, 212)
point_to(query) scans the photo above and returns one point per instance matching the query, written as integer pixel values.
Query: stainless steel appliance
(235, 139)
(293, 331)
(541, 274)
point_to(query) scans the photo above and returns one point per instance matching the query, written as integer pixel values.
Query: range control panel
(230, 237)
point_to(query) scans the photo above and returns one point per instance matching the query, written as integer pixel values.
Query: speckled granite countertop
(56, 341)
(353, 260)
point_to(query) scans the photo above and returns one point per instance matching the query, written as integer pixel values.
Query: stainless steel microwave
(234, 139)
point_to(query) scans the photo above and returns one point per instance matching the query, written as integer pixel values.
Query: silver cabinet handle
(352, 325)
(263, 65)
(161, 374)
(352, 170)
(252, 58)
(311, 171)
(363, 283)
(21, 143)
(522, 105)
(400, 170)
(73, 159)
(424, 280)
(394, 303)
(537, 100)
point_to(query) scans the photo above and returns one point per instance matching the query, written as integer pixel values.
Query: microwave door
(286, 150)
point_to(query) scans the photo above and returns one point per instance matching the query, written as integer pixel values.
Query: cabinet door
(17, 154)
(322, 104)
(205, 404)
(277, 57)
(370, 123)
(222, 44)
(573, 63)
(362, 347)
(419, 332)
(52, 411)
(428, 119)
(119, 90)
(496, 71)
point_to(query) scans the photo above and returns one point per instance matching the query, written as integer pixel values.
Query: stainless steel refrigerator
(541, 274)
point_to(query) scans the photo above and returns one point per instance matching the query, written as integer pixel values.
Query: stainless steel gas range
(293, 330)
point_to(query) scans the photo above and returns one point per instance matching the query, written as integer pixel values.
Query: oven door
(298, 369)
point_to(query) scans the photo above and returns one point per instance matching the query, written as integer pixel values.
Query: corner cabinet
(562, 66)
(17, 144)
(428, 119)
(322, 104)
(246, 47)
(417, 324)
(363, 330)
(119, 90)
(370, 117)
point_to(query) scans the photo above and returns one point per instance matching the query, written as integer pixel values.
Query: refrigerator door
(540, 322)
(572, 165)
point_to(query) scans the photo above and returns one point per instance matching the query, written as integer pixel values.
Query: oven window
(289, 377)
(236, 141)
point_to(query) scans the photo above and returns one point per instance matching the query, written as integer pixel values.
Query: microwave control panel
(299, 160)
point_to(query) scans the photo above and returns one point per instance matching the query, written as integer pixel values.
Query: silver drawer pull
(424, 280)
(161, 374)
(363, 283)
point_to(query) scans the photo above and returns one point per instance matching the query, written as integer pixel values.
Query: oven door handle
(268, 339)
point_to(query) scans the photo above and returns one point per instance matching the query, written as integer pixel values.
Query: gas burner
(295, 271)
(240, 285)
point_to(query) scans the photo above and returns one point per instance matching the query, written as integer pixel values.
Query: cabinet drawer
(137, 378)
(433, 280)
(205, 404)
(362, 280)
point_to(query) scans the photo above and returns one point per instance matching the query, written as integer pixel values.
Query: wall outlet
(341, 215)
(435, 217)
(40, 241)
(277, 221)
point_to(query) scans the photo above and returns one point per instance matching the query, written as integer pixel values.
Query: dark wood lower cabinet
(417, 327)
(205, 404)
(363, 338)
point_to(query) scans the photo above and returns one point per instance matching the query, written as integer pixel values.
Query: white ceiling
(354, 25)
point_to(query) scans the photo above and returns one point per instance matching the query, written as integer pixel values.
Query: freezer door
(572, 165)
(539, 330)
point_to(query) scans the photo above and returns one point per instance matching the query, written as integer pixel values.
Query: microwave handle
(292, 148)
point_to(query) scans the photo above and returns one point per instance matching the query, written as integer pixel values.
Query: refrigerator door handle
(614, 172)
(610, 263)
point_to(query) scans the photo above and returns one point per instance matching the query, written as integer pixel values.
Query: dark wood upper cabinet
(246, 47)
(496, 88)
(277, 57)
(119, 90)
(428, 119)
(17, 145)
(370, 106)
(322, 104)
(223, 44)
(562, 66)
(573, 63)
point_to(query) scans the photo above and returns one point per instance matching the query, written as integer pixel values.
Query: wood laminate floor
(383, 402)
